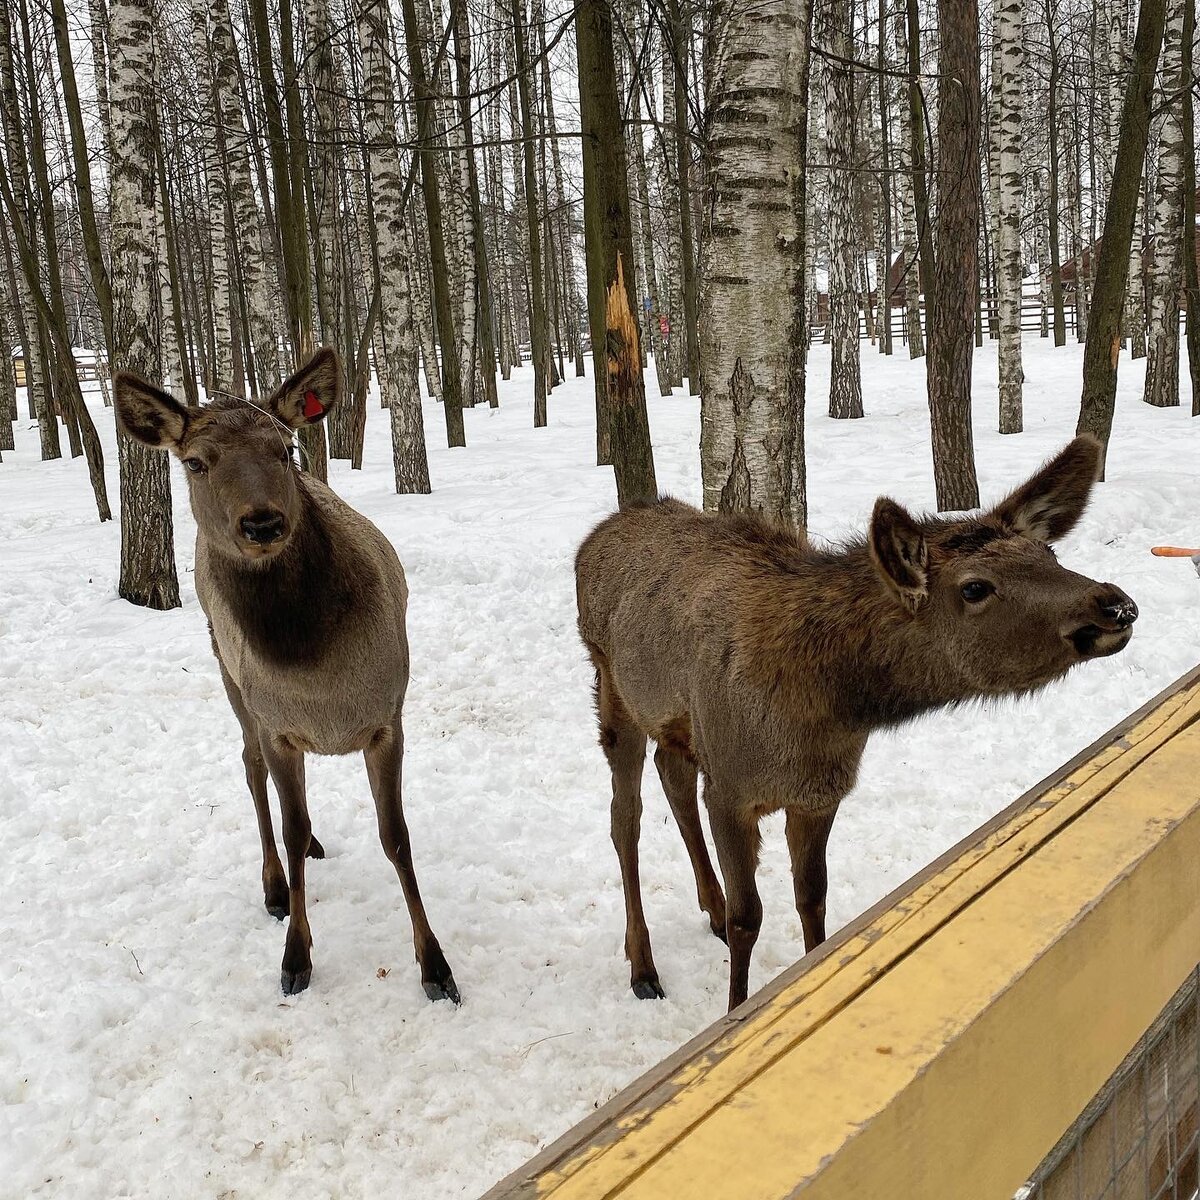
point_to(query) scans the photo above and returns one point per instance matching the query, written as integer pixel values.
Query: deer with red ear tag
(764, 663)
(306, 602)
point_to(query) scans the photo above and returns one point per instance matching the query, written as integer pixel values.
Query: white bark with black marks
(387, 194)
(1166, 272)
(752, 299)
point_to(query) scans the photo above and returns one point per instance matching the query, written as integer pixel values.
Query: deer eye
(977, 591)
(195, 465)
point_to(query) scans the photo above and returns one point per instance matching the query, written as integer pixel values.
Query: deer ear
(305, 398)
(1047, 506)
(148, 414)
(899, 552)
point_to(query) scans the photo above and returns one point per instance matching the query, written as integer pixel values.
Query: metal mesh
(1139, 1138)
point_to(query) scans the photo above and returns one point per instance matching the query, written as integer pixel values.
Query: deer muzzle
(262, 527)
(1110, 627)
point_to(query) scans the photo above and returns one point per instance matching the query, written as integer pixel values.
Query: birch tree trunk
(253, 252)
(908, 214)
(1191, 273)
(403, 396)
(1052, 205)
(147, 532)
(1075, 209)
(1166, 274)
(217, 199)
(833, 23)
(1010, 16)
(752, 302)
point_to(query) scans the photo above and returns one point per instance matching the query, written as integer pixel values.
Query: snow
(145, 1048)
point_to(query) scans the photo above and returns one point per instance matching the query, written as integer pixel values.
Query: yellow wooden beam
(940, 1046)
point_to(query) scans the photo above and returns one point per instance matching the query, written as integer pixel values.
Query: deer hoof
(315, 849)
(294, 982)
(442, 989)
(648, 989)
(276, 900)
(719, 931)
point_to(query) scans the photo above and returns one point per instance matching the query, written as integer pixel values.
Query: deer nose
(1117, 607)
(262, 527)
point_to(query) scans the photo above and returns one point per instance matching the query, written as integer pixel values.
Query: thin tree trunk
(538, 339)
(916, 129)
(908, 216)
(833, 21)
(1103, 347)
(38, 396)
(680, 27)
(216, 209)
(1056, 287)
(452, 396)
(1010, 16)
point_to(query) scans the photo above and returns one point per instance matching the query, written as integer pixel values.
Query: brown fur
(765, 663)
(306, 604)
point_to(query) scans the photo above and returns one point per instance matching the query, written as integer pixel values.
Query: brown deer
(764, 662)
(306, 601)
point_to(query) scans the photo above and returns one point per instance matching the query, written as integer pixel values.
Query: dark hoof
(294, 982)
(277, 901)
(315, 849)
(648, 989)
(442, 989)
(719, 931)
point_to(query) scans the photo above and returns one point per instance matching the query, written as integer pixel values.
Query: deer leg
(384, 759)
(274, 883)
(737, 840)
(275, 888)
(807, 837)
(624, 746)
(678, 775)
(286, 766)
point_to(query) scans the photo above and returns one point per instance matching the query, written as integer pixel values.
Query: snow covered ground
(145, 1049)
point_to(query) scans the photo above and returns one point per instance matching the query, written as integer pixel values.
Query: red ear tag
(312, 406)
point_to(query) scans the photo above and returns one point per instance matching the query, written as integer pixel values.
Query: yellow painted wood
(960, 1068)
(852, 1043)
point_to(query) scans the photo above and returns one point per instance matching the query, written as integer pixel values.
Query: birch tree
(832, 21)
(1166, 273)
(253, 255)
(387, 195)
(752, 302)
(1010, 16)
(147, 532)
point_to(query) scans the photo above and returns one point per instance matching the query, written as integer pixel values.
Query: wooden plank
(662, 1111)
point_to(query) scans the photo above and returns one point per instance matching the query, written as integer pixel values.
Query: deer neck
(865, 661)
(287, 607)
